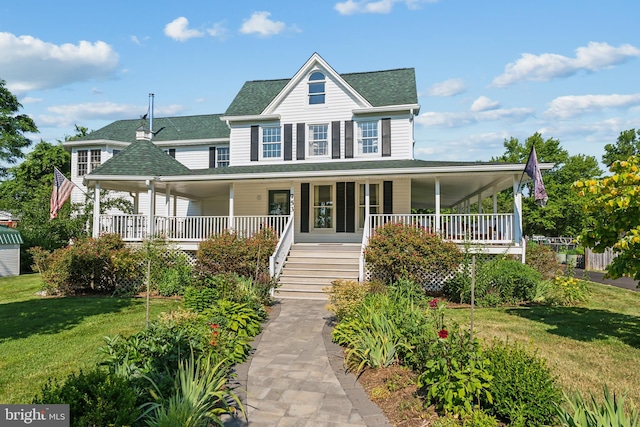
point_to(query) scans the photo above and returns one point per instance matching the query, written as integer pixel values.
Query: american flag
(62, 189)
(533, 170)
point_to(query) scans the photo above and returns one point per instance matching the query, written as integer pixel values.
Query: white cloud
(218, 30)
(449, 87)
(28, 63)
(467, 118)
(260, 23)
(30, 100)
(547, 66)
(70, 114)
(565, 107)
(483, 104)
(352, 7)
(179, 30)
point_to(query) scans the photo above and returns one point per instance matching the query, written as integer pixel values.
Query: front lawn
(52, 337)
(586, 346)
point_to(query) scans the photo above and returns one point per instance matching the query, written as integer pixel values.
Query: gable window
(223, 156)
(95, 158)
(323, 206)
(368, 137)
(374, 202)
(83, 162)
(316, 88)
(319, 140)
(271, 143)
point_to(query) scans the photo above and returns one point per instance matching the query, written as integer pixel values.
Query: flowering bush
(542, 259)
(398, 251)
(456, 376)
(563, 291)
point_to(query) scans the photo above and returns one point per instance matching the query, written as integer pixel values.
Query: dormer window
(316, 88)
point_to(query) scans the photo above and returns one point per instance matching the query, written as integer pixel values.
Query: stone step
(335, 272)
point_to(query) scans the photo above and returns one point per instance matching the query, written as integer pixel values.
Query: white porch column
(96, 211)
(367, 200)
(292, 210)
(495, 200)
(479, 203)
(517, 212)
(151, 192)
(437, 205)
(167, 201)
(231, 206)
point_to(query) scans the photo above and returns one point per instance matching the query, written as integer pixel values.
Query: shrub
(479, 418)
(91, 265)
(500, 281)
(198, 299)
(230, 253)
(591, 413)
(523, 389)
(175, 274)
(95, 398)
(542, 258)
(345, 297)
(563, 291)
(396, 251)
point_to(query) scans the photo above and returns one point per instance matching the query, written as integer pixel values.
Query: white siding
(195, 157)
(338, 107)
(9, 260)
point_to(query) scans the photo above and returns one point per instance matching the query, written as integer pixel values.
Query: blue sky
(486, 70)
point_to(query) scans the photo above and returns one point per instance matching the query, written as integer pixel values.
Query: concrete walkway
(296, 377)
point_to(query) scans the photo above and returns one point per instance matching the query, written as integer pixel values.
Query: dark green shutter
(304, 207)
(300, 141)
(386, 137)
(254, 143)
(288, 141)
(335, 140)
(387, 197)
(345, 207)
(172, 152)
(348, 139)
(212, 157)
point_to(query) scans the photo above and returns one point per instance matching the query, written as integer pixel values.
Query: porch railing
(188, 228)
(476, 228)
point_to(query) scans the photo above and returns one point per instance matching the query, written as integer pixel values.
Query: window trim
(262, 143)
(359, 138)
(310, 141)
(227, 161)
(321, 93)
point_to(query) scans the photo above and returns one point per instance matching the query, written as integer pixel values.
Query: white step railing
(276, 261)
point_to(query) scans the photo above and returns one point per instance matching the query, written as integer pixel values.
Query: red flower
(433, 303)
(443, 333)
(214, 326)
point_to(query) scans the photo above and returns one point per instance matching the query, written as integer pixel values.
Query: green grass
(586, 347)
(43, 338)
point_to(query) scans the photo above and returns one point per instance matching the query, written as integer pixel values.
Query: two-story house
(323, 157)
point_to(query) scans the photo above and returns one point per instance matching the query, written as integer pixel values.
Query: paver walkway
(295, 376)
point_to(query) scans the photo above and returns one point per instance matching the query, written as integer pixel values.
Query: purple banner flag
(532, 169)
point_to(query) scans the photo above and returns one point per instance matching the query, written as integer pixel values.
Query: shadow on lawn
(584, 324)
(52, 315)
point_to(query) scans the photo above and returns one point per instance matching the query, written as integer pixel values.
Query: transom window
(319, 140)
(271, 142)
(368, 137)
(374, 201)
(223, 157)
(316, 88)
(323, 206)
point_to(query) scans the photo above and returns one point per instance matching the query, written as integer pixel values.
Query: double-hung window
(368, 137)
(374, 201)
(323, 206)
(83, 162)
(319, 140)
(223, 157)
(271, 142)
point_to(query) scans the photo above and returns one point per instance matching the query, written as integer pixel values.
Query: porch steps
(310, 267)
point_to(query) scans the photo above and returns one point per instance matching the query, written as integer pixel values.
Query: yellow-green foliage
(564, 291)
(345, 296)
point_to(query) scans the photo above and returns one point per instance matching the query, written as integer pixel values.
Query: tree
(613, 207)
(562, 216)
(627, 145)
(13, 126)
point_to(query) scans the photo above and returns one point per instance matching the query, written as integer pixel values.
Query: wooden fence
(598, 262)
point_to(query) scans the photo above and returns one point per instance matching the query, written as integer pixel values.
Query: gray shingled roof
(380, 88)
(141, 158)
(206, 126)
(9, 236)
